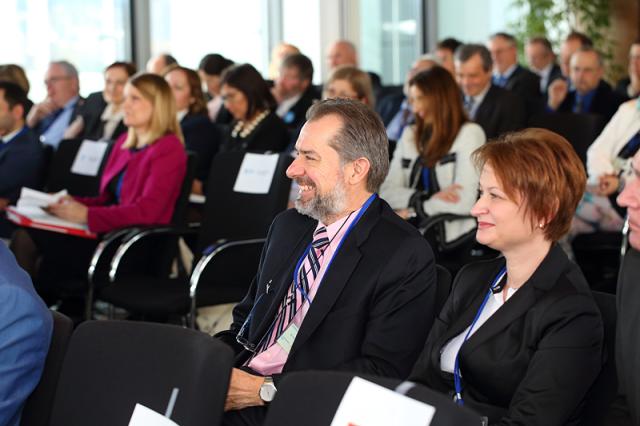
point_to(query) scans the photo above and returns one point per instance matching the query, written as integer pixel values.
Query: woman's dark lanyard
(457, 398)
(252, 347)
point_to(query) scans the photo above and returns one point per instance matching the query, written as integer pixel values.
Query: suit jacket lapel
(542, 280)
(284, 278)
(338, 274)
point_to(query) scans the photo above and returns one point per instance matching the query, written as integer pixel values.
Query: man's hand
(4, 202)
(449, 194)
(558, 90)
(39, 111)
(244, 390)
(69, 209)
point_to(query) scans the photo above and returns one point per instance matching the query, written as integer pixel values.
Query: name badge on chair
(287, 338)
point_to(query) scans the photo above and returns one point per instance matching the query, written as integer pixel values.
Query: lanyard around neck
(457, 382)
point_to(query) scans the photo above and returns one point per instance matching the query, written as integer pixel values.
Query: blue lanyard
(296, 280)
(456, 367)
(425, 178)
(251, 347)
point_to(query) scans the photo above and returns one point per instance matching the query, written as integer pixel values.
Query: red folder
(18, 218)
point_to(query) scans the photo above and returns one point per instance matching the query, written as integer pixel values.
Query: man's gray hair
(69, 69)
(362, 135)
(466, 51)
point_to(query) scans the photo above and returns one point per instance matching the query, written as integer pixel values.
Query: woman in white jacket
(431, 171)
(608, 163)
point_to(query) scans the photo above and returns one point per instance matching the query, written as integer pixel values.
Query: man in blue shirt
(51, 117)
(25, 332)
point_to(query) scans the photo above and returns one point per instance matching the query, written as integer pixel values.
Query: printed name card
(143, 416)
(368, 404)
(89, 158)
(256, 173)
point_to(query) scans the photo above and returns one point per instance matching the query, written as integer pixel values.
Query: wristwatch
(268, 390)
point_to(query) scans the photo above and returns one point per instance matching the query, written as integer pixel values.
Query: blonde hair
(359, 80)
(163, 115)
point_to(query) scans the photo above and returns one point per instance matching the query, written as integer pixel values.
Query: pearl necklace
(244, 129)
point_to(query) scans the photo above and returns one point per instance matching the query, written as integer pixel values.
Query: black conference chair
(443, 288)
(315, 396)
(112, 365)
(579, 129)
(61, 177)
(155, 259)
(37, 408)
(229, 243)
(604, 390)
(453, 255)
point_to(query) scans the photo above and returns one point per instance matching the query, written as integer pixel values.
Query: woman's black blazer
(533, 361)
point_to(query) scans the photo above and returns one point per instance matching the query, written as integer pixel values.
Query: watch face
(267, 392)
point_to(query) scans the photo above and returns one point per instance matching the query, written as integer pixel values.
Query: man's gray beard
(321, 207)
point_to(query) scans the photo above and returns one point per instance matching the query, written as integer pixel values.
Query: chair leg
(192, 313)
(88, 304)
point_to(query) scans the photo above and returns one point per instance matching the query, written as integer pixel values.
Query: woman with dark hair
(520, 337)
(200, 134)
(431, 171)
(210, 70)
(101, 116)
(256, 126)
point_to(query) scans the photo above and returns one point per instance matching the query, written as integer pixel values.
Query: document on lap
(29, 212)
(143, 416)
(366, 403)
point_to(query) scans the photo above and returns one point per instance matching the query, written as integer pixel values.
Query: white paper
(89, 158)
(368, 404)
(38, 215)
(143, 416)
(32, 198)
(197, 199)
(256, 173)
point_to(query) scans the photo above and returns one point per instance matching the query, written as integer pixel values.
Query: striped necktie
(294, 299)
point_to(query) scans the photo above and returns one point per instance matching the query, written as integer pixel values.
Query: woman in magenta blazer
(140, 184)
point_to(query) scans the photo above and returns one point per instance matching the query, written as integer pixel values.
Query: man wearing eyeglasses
(51, 117)
(343, 283)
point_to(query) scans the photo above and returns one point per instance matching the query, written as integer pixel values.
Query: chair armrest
(211, 253)
(108, 241)
(138, 236)
(438, 219)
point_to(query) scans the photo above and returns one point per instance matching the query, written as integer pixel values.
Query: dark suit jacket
(621, 88)
(534, 360)
(374, 306)
(628, 333)
(296, 116)
(271, 134)
(605, 101)
(526, 85)
(500, 111)
(556, 73)
(202, 137)
(91, 113)
(389, 106)
(21, 164)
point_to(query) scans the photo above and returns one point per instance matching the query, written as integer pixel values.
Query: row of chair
(97, 374)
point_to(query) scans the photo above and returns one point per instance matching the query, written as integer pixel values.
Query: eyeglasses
(55, 79)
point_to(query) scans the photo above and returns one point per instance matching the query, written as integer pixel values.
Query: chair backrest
(47, 159)
(112, 365)
(61, 177)
(315, 396)
(579, 129)
(443, 277)
(236, 215)
(604, 390)
(179, 217)
(37, 408)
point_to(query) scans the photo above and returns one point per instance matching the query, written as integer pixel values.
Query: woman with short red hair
(520, 338)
